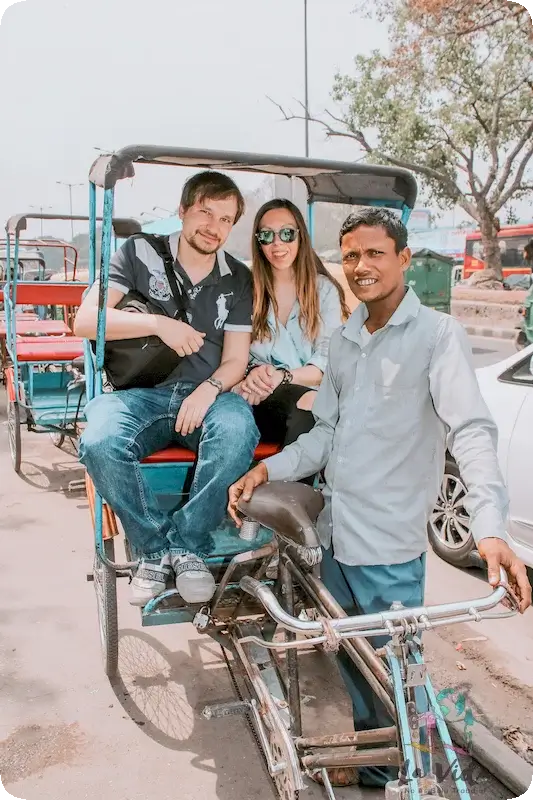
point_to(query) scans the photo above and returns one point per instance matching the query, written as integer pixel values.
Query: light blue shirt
(388, 407)
(289, 347)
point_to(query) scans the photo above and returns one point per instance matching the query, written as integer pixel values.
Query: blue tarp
(163, 227)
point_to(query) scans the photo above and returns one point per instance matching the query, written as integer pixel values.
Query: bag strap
(161, 245)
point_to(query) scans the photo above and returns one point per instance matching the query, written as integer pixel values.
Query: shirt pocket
(393, 411)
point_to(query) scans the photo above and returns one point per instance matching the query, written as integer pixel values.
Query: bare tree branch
(508, 166)
(515, 185)
(359, 137)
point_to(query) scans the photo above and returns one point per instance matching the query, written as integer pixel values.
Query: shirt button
(363, 355)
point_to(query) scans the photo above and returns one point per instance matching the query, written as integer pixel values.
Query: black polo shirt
(220, 302)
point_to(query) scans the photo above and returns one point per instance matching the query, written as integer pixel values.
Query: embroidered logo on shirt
(222, 309)
(194, 292)
(158, 287)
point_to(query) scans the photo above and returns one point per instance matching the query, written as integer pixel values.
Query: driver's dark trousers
(368, 590)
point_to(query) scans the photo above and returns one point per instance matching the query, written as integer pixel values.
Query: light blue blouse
(289, 347)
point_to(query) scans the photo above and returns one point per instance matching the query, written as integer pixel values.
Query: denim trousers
(124, 427)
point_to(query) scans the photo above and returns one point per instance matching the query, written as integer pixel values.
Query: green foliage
(456, 110)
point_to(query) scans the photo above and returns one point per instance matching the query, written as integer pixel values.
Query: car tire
(449, 526)
(521, 340)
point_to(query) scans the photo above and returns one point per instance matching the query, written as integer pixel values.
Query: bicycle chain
(251, 725)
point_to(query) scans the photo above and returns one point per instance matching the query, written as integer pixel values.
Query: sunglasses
(286, 235)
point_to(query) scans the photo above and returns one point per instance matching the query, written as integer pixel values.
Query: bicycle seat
(289, 509)
(79, 364)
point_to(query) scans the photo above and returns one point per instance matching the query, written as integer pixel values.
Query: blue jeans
(369, 590)
(125, 427)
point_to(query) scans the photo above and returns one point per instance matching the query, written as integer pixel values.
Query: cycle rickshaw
(44, 372)
(251, 600)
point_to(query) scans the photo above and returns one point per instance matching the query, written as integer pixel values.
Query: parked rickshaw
(250, 603)
(44, 377)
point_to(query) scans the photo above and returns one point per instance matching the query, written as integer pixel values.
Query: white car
(508, 391)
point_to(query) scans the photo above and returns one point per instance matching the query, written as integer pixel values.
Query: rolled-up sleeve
(331, 314)
(311, 451)
(472, 433)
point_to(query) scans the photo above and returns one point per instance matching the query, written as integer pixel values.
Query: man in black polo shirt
(193, 407)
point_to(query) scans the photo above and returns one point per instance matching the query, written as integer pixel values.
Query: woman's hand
(261, 382)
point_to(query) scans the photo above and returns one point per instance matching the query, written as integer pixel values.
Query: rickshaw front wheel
(105, 584)
(57, 439)
(15, 443)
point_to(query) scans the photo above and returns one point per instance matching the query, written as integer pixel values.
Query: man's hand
(181, 337)
(261, 382)
(244, 489)
(497, 553)
(194, 408)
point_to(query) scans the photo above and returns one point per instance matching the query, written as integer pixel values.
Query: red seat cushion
(50, 349)
(43, 327)
(181, 455)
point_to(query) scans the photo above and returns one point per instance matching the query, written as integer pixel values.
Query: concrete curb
(491, 333)
(497, 757)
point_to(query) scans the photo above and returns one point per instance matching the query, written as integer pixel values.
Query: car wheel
(449, 524)
(521, 340)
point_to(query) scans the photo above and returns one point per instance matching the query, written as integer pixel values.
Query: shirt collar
(223, 266)
(407, 310)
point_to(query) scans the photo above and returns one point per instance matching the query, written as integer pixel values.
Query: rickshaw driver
(398, 388)
(193, 407)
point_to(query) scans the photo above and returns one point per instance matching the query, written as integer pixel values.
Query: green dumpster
(430, 276)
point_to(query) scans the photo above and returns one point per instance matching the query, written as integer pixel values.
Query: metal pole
(70, 187)
(71, 221)
(306, 84)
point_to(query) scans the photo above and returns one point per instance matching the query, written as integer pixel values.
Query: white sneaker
(150, 580)
(194, 582)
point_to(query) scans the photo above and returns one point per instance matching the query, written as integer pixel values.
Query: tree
(464, 17)
(455, 110)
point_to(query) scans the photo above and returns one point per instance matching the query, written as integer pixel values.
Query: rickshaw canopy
(326, 181)
(122, 227)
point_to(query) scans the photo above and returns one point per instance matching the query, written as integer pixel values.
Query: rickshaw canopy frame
(346, 182)
(123, 227)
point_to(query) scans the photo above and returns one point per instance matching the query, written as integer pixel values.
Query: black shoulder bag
(146, 361)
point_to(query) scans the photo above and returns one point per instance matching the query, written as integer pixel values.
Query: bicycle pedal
(232, 709)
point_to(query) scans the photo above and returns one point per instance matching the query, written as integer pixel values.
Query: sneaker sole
(196, 595)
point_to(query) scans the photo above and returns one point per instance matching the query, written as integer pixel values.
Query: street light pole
(70, 187)
(306, 84)
(41, 210)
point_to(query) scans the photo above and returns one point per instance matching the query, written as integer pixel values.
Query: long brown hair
(307, 267)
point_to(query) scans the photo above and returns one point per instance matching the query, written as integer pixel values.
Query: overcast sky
(192, 73)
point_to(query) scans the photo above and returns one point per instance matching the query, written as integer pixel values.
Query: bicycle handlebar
(383, 623)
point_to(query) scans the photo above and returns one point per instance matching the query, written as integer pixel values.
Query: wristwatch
(216, 383)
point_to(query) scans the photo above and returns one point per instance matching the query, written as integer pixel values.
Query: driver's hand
(244, 489)
(497, 553)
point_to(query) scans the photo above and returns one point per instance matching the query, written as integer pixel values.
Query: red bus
(512, 241)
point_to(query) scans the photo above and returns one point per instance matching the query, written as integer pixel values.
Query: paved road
(66, 731)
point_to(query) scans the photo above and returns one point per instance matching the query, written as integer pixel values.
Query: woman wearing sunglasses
(297, 306)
